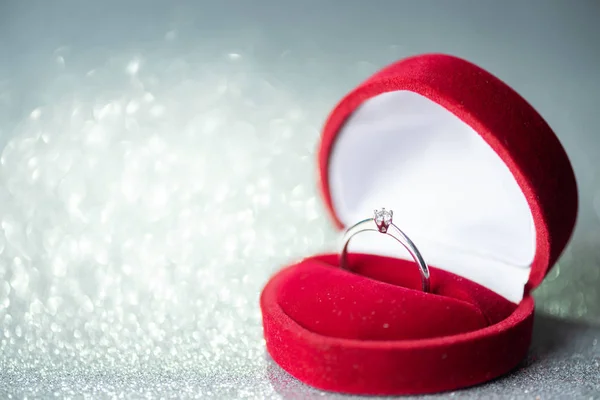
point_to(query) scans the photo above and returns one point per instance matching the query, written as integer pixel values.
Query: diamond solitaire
(383, 219)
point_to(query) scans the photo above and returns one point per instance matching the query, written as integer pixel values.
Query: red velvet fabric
(514, 130)
(389, 305)
(371, 331)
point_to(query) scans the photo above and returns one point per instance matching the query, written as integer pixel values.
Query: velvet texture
(389, 305)
(371, 331)
(514, 130)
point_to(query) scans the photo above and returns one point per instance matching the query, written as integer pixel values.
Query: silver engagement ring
(382, 222)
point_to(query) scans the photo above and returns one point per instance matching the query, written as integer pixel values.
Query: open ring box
(478, 180)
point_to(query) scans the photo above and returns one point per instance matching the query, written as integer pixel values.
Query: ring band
(382, 222)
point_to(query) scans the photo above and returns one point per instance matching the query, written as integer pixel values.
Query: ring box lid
(474, 175)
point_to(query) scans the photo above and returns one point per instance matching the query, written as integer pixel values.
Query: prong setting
(383, 219)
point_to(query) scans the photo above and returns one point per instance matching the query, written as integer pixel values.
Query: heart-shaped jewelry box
(480, 183)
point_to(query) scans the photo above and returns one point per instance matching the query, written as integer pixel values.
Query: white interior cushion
(450, 192)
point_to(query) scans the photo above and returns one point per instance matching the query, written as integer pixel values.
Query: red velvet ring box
(478, 180)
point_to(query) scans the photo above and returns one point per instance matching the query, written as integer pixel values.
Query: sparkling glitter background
(158, 165)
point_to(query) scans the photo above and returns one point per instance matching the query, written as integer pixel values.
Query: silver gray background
(315, 51)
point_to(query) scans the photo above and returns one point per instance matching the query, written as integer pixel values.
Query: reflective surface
(158, 166)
